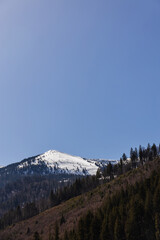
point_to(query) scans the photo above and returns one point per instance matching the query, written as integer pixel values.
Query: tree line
(130, 214)
(133, 213)
(56, 196)
(81, 185)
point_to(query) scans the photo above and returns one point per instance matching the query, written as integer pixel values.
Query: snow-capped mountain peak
(59, 162)
(55, 162)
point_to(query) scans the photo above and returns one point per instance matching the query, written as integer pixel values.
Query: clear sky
(81, 77)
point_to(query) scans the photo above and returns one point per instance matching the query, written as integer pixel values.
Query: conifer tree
(98, 173)
(81, 230)
(95, 228)
(148, 152)
(148, 205)
(56, 231)
(156, 199)
(109, 170)
(157, 226)
(117, 229)
(159, 150)
(124, 157)
(154, 150)
(36, 236)
(66, 236)
(51, 198)
(105, 235)
(87, 223)
(19, 213)
(121, 165)
(141, 154)
(132, 157)
(62, 220)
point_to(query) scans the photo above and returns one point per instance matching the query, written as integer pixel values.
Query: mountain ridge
(74, 208)
(55, 162)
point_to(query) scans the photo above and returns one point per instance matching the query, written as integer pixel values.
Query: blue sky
(82, 77)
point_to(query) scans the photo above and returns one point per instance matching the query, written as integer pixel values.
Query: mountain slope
(34, 178)
(75, 208)
(55, 162)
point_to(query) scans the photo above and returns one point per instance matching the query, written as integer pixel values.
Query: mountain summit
(55, 162)
(58, 162)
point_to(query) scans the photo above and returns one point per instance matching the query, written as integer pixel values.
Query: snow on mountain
(54, 162)
(62, 163)
(104, 162)
(58, 162)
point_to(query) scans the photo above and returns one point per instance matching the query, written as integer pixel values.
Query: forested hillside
(33, 181)
(130, 214)
(31, 189)
(125, 207)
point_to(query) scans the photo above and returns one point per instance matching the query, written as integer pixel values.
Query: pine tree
(132, 157)
(141, 154)
(95, 228)
(81, 230)
(156, 199)
(117, 230)
(66, 236)
(159, 150)
(148, 152)
(19, 213)
(56, 232)
(98, 173)
(148, 205)
(87, 224)
(134, 221)
(109, 170)
(105, 231)
(112, 218)
(28, 230)
(136, 154)
(51, 198)
(157, 226)
(62, 220)
(154, 150)
(36, 236)
(121, 166)
(124, 157)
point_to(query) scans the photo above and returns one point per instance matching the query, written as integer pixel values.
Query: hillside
(72, 210)
(33, 178)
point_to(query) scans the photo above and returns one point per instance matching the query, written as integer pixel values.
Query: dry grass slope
(74, 208)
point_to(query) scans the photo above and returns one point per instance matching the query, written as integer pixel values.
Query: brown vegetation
(74, 208)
